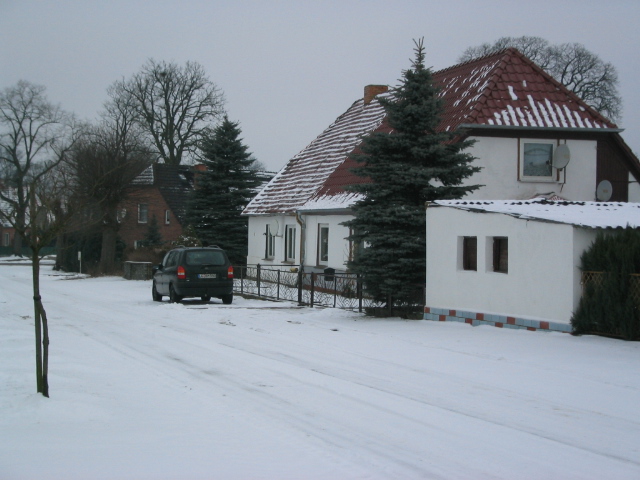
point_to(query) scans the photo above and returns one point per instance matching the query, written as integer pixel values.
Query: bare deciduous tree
(34, 135)
(175, 105)
(571, 64)
(104, 164)
(34, 138)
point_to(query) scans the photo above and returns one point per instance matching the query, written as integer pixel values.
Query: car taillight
(230, 272)
(182, 273)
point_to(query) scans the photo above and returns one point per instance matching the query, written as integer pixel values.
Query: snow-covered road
(262, 390)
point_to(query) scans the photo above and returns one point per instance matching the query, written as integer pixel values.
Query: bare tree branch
(175, 105)
(571, 64)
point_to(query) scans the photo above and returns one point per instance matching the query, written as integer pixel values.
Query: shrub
(609, 304)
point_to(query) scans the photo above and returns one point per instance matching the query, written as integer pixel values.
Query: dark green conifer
(610, 304)
(222, 192)
(153, 238)
(414, 164)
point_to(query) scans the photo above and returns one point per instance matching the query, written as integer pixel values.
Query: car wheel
(227, 299)
(154, 293)
(173, 296)
(205, 298)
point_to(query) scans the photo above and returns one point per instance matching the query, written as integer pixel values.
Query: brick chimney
(197, 171)
(370, 91)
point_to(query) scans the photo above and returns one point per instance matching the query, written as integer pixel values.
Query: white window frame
(554, 175)
(290, 243)
(167, 217)
(143, 213)
(323, 244)
(270, 244)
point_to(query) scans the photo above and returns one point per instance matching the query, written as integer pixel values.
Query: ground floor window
(323, 244)
(7, 240)
(290, 243)
(270, 243)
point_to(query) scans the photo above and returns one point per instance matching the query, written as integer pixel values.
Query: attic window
(536, 161)
(167, 217)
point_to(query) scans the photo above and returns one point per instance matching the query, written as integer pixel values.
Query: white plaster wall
(498, 158)
(256, 240)
(634, 189)
(338, 245)
(543, 273)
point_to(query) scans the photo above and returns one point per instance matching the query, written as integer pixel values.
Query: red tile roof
(505, 89)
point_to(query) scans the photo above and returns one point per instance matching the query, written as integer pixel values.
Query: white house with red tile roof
(521, 119)
(513, 264)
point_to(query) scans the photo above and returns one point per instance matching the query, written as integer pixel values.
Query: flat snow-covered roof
(583, 214)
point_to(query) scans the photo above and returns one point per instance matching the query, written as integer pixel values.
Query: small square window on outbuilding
(470, 253)
(501, 254)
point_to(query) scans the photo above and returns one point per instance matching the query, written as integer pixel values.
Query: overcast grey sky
(289, 68)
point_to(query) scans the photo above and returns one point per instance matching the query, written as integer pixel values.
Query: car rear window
(205, 257)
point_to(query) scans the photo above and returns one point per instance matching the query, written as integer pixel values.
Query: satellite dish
(604, 191)
(561, 156)
(273, 225)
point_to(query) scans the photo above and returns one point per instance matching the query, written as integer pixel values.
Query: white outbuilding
(512, 263)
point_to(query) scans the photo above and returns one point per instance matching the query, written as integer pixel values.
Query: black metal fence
(337, 290)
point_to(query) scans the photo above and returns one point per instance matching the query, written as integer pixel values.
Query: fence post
(278, 287)
(258, 278)
(242, 274)
(335, 290)
(313, 281)
(300, 286)
(359, 292)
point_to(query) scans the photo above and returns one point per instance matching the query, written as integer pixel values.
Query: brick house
(7, 232)
(161, 191)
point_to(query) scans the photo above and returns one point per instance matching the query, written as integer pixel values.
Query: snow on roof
(339, 201)
(145, 177)
(508, 89)
(306, 172)
(583, 214)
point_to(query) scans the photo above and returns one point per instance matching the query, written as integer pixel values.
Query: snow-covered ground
(262, 390)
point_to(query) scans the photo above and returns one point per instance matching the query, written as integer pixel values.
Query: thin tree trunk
(42, 329)
(38, 327)
(108, 252)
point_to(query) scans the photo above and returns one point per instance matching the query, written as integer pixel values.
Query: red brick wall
(131, 230)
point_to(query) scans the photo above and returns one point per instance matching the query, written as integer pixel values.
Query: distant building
(162, 191)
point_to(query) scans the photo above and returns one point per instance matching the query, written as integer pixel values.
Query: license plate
(207, 275)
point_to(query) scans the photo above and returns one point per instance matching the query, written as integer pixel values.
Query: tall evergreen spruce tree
(222, 192)
(408, 167)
